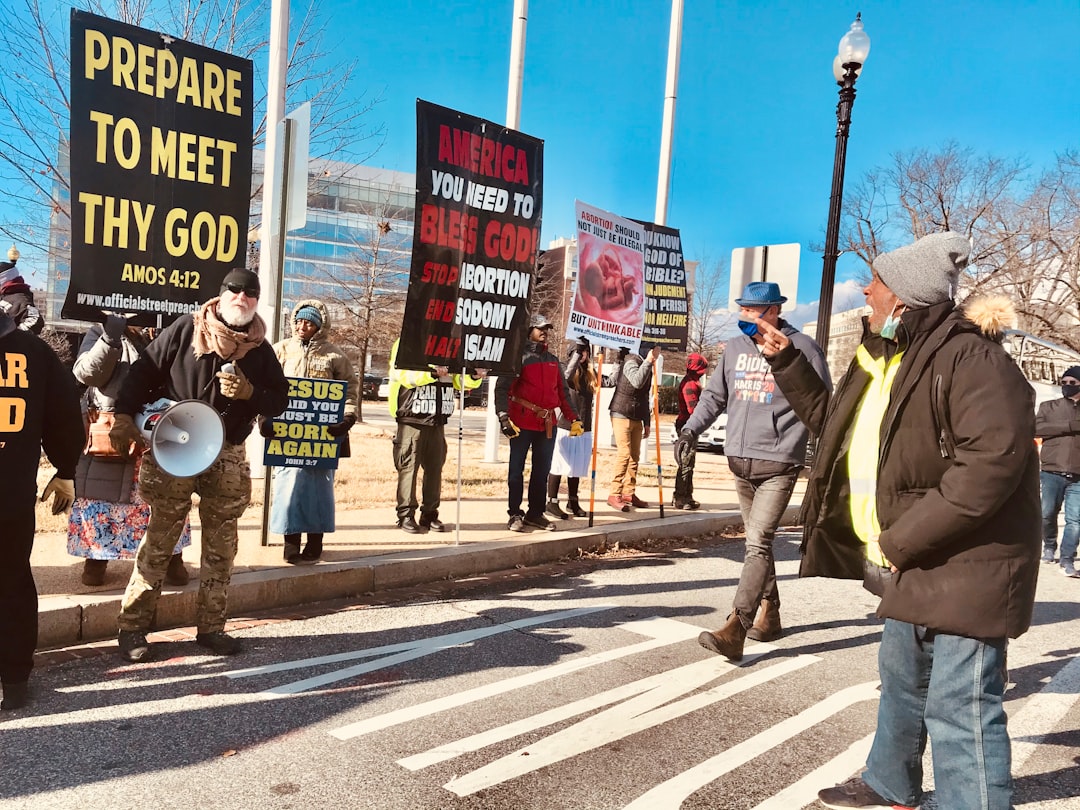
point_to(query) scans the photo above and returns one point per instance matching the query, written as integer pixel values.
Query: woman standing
(304, 496)
(573, 453)
(108, 518)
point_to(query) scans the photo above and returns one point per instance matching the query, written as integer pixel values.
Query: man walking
(186, 361)
(1058, 425)
(925, 486)
(40, 410)
(765, 448)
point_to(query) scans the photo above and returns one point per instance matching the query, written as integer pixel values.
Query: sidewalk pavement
(366, 554)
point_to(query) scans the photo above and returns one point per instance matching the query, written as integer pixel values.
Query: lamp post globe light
(848, 64)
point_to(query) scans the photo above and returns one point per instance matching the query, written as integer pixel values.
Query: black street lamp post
(854, 48)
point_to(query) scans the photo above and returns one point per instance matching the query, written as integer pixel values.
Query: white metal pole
(513, 121)
(663, 184)
(517, 64)
(269, 271)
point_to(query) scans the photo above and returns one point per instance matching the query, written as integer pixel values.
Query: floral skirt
(102, 530)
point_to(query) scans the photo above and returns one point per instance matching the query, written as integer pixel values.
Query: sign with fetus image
(609, 294)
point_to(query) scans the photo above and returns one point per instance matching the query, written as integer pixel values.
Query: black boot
(292, 549)
(572, 502)
(93, 572)
(16, 695)
(313, 550)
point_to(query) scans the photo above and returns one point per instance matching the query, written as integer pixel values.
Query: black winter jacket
(1058, 425)
(170, 361)
(41, 409)
(580, 400)
(958, 478)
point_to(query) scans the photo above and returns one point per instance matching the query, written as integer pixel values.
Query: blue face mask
(892, 323)
(748, 328)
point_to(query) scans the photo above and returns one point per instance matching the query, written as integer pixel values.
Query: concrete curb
(68, 620)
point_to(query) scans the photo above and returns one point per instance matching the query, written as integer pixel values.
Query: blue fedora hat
(761, 294)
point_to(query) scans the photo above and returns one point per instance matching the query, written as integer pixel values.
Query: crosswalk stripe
(1042, 712)
(433, 644)
(616, 723)
(692, 674)
(670, 795)
(836, 770)
(667, 630)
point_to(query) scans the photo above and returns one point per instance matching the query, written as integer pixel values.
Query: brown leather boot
(767, 624)
(728, 640)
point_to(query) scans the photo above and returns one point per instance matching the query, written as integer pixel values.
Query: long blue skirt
(303, 500)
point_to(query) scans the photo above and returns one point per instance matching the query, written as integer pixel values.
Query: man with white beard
(187, 361)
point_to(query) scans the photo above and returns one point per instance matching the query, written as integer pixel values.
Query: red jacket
(539, 382)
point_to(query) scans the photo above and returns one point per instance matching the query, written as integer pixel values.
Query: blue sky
(756, 117)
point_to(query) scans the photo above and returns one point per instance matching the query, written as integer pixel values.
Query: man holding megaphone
(218, 355)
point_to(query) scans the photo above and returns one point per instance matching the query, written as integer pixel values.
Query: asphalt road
(581, 688)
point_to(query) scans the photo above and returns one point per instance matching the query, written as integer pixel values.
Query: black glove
(342, 427)
(115, 326)
(508, 427)
(685, 447)
(266, 427)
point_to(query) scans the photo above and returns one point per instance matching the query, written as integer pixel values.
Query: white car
(384, 388)
(712, 438)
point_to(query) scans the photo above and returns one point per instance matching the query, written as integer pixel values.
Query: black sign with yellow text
(160, 146)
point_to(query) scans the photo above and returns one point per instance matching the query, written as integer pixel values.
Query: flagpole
(492, 433)
(663, 183)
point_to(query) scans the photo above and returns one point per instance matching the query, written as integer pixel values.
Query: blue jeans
(1055, 491)
(951, 688)
(542, 450)
(764, 489)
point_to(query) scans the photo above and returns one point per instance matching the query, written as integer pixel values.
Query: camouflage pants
(224, 492)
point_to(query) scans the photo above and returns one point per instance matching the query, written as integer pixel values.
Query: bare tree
(35, 103)
(367, 297)
(1025, 233)
(709, 315)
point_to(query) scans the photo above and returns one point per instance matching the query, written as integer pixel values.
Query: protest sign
(609, 293)
(160, 147)
(300, 437)
(667, 313)
(478, 206)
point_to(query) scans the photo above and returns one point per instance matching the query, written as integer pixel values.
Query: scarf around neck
(213, 336)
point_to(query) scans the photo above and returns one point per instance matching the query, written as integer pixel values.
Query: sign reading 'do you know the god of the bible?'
(300, 435)
(478, 205)
(160, 171)
(667, 311)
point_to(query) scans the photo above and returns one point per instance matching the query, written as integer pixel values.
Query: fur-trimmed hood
(993, 314)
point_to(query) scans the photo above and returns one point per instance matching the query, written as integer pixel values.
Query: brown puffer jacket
(958, 478)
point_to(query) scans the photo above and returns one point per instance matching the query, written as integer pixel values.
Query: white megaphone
(185, 437)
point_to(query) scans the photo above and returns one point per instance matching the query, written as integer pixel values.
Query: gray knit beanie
(925, 272)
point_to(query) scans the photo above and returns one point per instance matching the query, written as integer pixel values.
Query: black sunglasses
(236, 289)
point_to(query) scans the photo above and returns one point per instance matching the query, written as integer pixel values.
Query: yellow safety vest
(864, 447)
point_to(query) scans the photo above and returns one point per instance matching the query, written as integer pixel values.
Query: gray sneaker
(516, 523)
(1069, 570)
